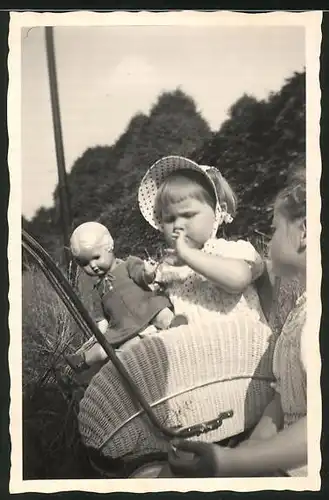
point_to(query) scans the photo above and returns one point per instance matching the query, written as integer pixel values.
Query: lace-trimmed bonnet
(156, 175)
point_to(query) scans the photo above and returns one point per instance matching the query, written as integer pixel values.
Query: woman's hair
(187, 183)
(291, 201)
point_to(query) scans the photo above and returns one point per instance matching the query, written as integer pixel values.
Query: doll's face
(96, 261)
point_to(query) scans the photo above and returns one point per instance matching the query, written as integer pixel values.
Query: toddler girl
(279, 441)
(208, 279)
(127, 299)
(221, 359)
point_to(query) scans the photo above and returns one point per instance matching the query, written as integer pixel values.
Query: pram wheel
(145, 466)
(151, 470)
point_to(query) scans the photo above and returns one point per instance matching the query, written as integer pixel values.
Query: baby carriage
(168, 385)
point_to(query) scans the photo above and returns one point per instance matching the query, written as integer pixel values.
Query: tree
(255, 150)
(103, 181)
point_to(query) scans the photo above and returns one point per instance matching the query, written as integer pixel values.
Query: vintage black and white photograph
(161, 168)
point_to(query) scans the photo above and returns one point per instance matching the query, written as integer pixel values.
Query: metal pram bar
(87, 325)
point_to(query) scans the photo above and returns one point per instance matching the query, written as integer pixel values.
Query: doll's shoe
(179, 320)
(77, 362)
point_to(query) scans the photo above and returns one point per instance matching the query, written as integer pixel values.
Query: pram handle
(210, 425)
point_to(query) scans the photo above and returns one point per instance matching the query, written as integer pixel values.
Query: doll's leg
(167, 319)
(84, 359)
(94, 354)
(163, 319)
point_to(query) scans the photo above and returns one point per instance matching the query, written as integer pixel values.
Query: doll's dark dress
(127, 301)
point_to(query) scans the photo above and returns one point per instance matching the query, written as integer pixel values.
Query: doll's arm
(143, 273)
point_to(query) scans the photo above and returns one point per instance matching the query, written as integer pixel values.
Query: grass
(52, 447)
(50, 399)
(48, 329)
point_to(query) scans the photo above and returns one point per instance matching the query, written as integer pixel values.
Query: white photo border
(311, 21)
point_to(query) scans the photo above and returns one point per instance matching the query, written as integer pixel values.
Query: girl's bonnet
(156, 175)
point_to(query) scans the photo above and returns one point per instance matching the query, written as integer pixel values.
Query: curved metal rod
(85, 322)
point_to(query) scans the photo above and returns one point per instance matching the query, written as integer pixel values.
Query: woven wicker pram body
(188, 377)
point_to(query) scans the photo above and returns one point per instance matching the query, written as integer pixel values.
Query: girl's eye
(168, 219)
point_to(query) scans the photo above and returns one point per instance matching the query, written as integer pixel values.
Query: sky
(108, 74)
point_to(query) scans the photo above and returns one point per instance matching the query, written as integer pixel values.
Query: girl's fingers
(177, 233)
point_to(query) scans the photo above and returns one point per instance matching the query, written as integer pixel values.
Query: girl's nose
(179, 224)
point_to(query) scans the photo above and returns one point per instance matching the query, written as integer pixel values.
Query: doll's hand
(150, 268)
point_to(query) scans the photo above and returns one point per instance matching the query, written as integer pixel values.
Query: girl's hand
(198, 459)
(180, 245)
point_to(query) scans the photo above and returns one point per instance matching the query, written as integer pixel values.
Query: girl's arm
(286, 450)
(232, 275)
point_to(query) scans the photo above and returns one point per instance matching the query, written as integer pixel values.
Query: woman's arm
(286, 450)
(270, 423)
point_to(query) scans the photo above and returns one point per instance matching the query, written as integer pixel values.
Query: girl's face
(96, 261)
(288, 245)
(193, 217)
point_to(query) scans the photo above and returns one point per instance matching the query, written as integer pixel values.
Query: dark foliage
(254, 148)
